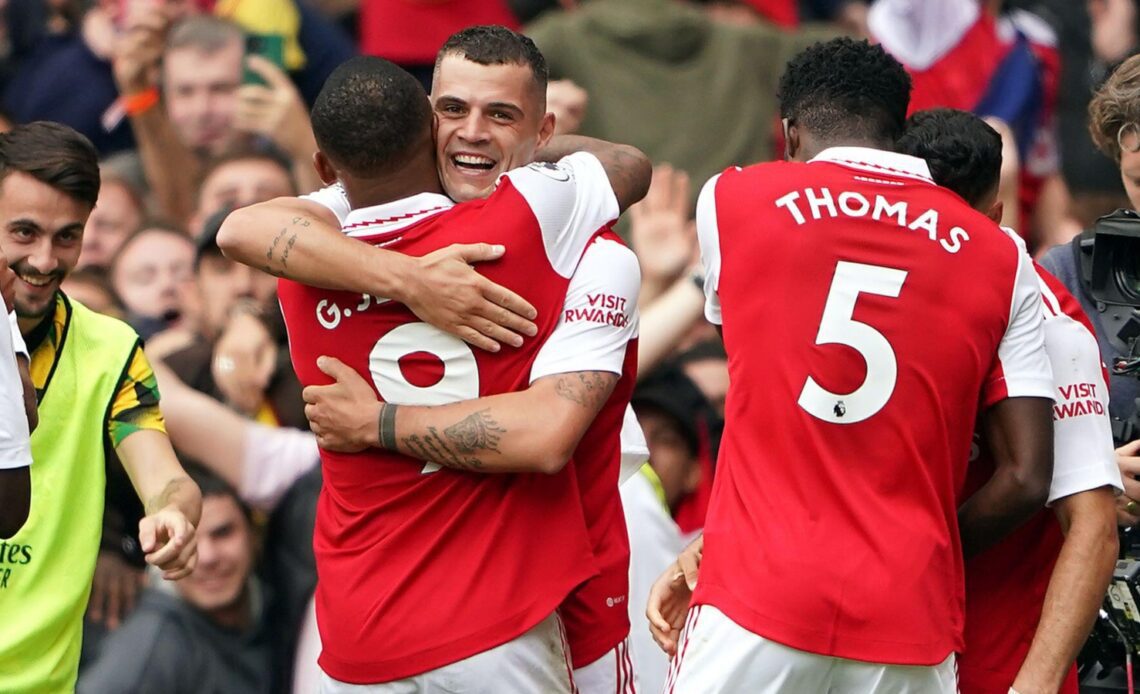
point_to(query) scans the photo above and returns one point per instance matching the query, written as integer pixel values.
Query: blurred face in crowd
(243, 182)
(201, 95)
(42, 237)
(489, 119)
(150, 272)
(711, 378)
(1130, 166)
(222, 282)
(225, 556)
(92, 294)
(675, 463)
(115, 217)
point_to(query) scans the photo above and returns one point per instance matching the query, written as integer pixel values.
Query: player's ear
(791, 139)
(545, 130)
(995, 212)
(324, 168)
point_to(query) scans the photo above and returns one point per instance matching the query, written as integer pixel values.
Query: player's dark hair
(962, 151)
(370, 116)
(497, 45)
(54, 154)
(846, 89)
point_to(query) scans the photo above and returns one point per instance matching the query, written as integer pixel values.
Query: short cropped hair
(1115, 108)
(845, 87)
(267, 152)
(497, 45)
(370, 115)
(205, 33)
(962, 151)
(54, 154)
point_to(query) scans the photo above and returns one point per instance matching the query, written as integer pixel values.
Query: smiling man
(95, 387)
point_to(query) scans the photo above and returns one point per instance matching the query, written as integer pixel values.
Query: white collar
(876, 161)
(395, 215)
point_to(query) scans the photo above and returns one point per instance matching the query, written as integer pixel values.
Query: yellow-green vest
(46, 569)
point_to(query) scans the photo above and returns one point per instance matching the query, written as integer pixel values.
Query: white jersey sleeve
(708, 236)
(18, 344)
(15, 447)
(571, 199)
(1022, 366)
(1083, 455)
(634, 449)
(334, 199)
(599, 316)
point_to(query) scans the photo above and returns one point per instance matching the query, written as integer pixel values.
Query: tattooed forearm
(279, 240)
(590, 389)
(166, 496)
(460, 445)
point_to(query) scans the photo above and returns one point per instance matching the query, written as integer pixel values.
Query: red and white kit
(1006, 584)
(865, 312)
(598, 332)
(422, 566)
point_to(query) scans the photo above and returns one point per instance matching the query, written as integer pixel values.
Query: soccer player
(95, 388)
(833, 546)
(489, 99)
(438, 555)
(1032, 598)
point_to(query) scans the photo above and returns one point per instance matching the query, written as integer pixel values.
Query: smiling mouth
(38, 281)
(473, 163)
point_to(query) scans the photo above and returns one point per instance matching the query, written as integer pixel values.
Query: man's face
(114, 218)
(41, 237)
(221, 282)
(225, 556)
(1130, 167)
(150, 274)
(489, 119)
(242, 182)
(674, 462)
(201, 95)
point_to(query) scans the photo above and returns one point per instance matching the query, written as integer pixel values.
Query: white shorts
(613, 673)
(717, 655)
(537, 661)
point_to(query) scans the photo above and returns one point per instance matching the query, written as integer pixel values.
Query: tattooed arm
(628, 169)
(301, 240)
(497, 433)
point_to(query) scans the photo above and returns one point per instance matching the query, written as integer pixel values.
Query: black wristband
(387, 434)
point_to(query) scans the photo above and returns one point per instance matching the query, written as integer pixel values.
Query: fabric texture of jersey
(46, 568)
(421, 566)
(15, 448)
(597, 331)
(856, 370)
(1006, 584)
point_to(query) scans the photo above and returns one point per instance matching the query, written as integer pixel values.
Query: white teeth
(36, 281)
(474, 160)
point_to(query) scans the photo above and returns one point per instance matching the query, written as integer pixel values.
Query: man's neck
(417, 175)
(34, 324)
(811, 147)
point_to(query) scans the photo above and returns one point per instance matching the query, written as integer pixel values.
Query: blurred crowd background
(201, 106)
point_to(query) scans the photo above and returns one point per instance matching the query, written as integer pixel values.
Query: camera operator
(1100, 267)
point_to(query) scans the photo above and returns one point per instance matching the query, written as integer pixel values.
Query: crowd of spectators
(198, 107)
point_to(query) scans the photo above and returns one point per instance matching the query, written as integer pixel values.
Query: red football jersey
(1006, 584)
(421, 566)
(865, 313)
(598, 332)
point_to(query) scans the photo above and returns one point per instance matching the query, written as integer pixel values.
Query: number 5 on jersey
(839, 327)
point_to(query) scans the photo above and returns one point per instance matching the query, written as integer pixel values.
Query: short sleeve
(332, 198)
(572, 199)
(18, 344)
(708, 236)
(1022, 366)
(1083, 455)
(135, 406)
(599, 316)
(15, 447)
